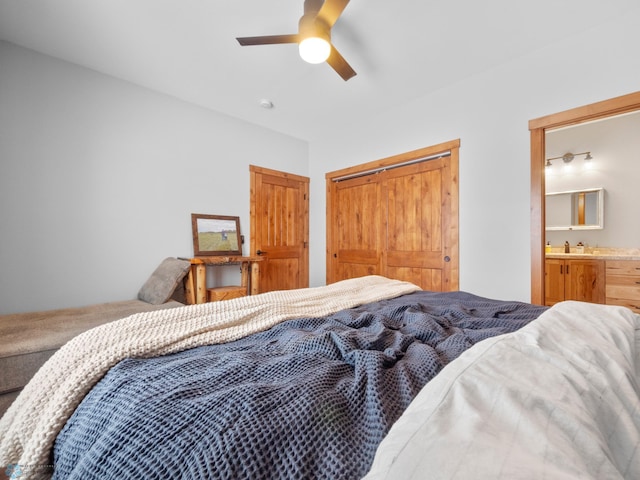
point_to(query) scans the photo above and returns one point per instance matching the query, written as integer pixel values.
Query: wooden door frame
(537, 128)
(452, 146)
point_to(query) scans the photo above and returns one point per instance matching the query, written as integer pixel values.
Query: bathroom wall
(615, 146)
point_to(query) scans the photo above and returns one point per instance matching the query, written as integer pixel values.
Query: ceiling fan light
(314, 49)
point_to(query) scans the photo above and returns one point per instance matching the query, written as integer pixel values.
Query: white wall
(71, 138)
(98, 179)
(489, 112)
(615, 147)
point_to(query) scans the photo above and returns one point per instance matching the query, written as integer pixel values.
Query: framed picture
(215, 235)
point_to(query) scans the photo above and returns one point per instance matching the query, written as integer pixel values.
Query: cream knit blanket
(29, 427)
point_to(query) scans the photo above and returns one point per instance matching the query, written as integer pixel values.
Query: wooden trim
(329, 230)
(396, 159)
(587, 113)
(277, 173)
(252, 207)
(537, 216)
(453, 224)
(304, 219)
(607, 108)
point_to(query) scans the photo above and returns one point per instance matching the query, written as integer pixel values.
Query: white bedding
(559, 399)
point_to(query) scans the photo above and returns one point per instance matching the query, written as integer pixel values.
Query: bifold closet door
(397, 217)
(416, 214)
(401, 223)
(355, 249)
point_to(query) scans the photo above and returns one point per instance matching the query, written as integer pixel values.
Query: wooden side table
(196, 285)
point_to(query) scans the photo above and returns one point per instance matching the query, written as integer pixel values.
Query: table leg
(201, 284)
(255, 278)
(189, 286)
(244, 277)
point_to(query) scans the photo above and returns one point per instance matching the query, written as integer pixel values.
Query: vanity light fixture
(568, 157)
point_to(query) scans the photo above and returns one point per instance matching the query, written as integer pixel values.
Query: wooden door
(418, 213)
(356, 239)
(279, 211)
(400, 221)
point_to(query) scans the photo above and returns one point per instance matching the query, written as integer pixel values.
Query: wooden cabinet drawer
(623, 291)
(225, 293)
(623, 283)
(623, 267)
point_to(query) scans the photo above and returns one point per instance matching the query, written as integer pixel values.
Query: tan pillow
(163, 281)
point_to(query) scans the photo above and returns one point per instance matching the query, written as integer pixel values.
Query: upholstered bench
(27, 340)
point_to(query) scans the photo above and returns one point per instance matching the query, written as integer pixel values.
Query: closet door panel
(356, 203)
(426, 278)
(414, 234)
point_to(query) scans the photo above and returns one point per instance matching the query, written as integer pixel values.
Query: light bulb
(314, 50)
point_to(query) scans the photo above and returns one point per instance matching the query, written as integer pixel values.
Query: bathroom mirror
(575, 210)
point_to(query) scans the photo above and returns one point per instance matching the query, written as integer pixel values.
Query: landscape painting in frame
(215, 235)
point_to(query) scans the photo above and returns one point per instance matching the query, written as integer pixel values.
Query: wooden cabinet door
(356, 207)
(584, 280)
(576, 279)
(280, 228)
(553, 281)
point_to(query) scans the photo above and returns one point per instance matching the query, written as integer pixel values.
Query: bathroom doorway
(538, 129)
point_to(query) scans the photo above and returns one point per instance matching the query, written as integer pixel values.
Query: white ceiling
(401, 49)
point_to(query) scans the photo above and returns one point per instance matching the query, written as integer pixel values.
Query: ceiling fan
(314, 36)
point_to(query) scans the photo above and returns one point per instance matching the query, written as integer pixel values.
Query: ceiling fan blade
(340, 65)
(268, 40)
(331, 10)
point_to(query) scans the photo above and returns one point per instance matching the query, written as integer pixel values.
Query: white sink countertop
(602, 253)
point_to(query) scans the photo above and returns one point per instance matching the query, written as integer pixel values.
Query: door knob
(260, 252)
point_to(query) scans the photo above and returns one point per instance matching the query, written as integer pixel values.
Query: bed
(336, 382)
(558, 399)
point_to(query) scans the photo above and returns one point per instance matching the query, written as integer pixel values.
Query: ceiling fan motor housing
(312, 26)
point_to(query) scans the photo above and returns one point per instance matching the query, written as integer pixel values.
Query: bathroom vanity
(608, 276)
